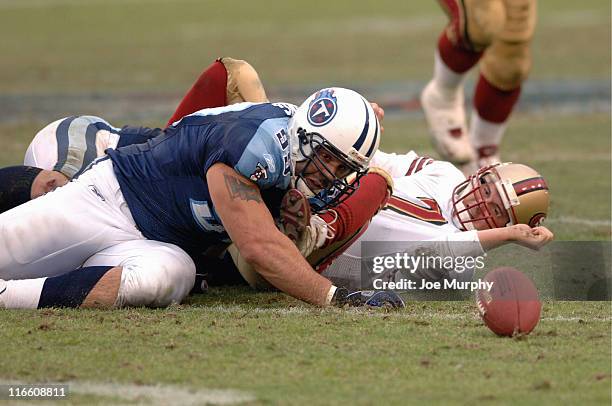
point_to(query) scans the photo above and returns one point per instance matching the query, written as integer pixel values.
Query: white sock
(485, 133)
(22, 294)
(447, 80)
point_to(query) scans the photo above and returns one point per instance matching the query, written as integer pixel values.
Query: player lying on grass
(351, 218)
(127, 224)
(433, 207)
(422, 208)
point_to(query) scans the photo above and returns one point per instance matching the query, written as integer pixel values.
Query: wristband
(330, 295)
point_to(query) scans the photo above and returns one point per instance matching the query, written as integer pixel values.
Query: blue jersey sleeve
(265, 160)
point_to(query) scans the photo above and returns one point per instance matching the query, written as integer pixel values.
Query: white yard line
(574, 319)
(374, 313)
(153, 394)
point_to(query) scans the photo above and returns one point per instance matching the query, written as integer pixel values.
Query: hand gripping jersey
(70, 144)
(164, 180)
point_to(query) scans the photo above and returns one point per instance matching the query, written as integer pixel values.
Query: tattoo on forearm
(241, 189)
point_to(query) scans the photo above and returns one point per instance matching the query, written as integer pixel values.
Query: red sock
(458, 58)
(210, 90)
(493, 104)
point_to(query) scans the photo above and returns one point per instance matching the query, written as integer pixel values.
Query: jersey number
(429, 212)
(203, 216)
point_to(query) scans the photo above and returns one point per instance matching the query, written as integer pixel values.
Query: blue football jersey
(164, 180)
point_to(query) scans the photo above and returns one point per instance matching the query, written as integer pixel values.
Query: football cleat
(488, 155)
(447, 124)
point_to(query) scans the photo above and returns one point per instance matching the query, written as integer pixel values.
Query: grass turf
(284, 352)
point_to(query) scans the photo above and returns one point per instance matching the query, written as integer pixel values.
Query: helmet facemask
(469, 196)
(337, 188)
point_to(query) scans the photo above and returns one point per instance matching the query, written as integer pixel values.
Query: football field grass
(274, 350)
(129, 61)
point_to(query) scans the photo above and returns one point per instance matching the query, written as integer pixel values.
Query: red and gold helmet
(523, 191)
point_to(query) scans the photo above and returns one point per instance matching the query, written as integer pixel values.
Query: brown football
(512, 306)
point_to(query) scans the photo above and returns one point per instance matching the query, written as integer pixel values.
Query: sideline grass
(71, 46)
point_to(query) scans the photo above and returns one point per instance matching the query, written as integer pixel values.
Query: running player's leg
(504, 68)
(472, 26)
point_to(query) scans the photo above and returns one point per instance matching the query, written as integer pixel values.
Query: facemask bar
(508, 195)
(338, 189)
(472, 186)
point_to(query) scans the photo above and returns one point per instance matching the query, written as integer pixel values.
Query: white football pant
(88, 223)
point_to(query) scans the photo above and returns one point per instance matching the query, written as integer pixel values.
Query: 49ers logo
(537, 220)
(429, 212)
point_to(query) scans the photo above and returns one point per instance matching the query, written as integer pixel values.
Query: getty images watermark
(452, 270)
(426, 272)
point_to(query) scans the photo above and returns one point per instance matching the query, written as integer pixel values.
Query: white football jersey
(421, 205)
(420, 209)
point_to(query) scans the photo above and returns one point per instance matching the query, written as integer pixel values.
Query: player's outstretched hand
(533, 238)
(375, 298)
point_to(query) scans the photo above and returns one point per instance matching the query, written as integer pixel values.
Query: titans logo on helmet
(322, 108)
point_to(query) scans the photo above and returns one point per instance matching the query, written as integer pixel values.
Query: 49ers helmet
(523, 191)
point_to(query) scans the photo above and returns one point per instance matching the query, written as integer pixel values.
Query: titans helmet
(337, 122)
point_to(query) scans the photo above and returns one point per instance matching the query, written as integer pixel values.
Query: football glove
(375, 298)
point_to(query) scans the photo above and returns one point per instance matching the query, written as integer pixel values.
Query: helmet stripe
(364, 132)
(530, 185)
(369, 153)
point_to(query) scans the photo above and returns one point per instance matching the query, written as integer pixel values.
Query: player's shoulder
(266, 111)
(439, 176)
(265, 159)
(399, 165)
